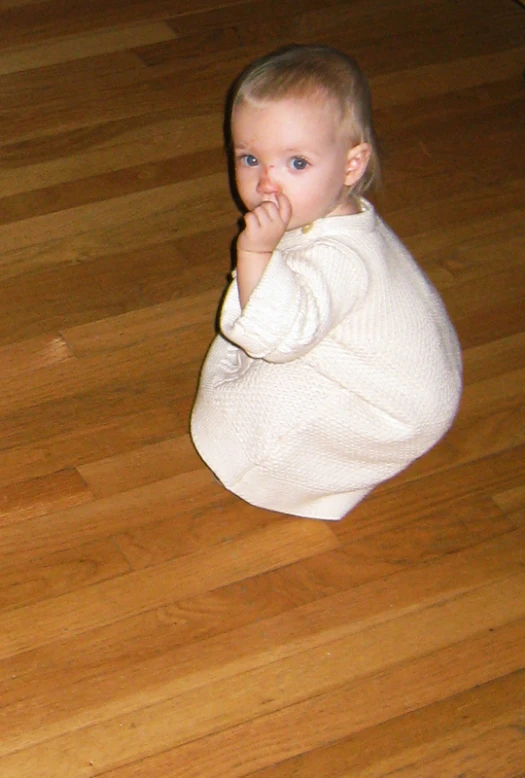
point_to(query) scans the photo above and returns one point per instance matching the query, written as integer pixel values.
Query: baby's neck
(348, 208)
(351, 206)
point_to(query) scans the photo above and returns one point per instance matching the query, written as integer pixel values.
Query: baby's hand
(265, 226)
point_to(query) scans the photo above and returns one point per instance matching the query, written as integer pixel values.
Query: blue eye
(299, 163)
(249, 160)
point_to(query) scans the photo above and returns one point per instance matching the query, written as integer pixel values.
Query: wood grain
(152, 624)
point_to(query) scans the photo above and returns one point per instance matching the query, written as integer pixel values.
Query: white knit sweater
(342, 369)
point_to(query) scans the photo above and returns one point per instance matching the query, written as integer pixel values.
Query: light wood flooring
(151, 624)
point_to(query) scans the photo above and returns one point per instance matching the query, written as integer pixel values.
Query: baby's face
(294, 147)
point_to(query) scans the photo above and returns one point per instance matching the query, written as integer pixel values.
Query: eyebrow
(291, 150)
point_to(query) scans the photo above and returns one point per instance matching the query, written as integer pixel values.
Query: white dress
(341, 370)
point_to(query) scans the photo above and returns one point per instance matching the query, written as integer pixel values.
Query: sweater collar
(330, 225)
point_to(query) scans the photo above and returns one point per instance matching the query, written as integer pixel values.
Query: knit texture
(341, 370)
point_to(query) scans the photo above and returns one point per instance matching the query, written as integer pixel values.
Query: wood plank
(503, 749)
(21, 358)
(57, 574)
(414, 740)
(264, 549)
(103, 337)
(101, 152)
(141, 466)
(244, 625)
(244, 748)
(40, 496)
(492, 359)
(497, 321)
(475, 436)
(110, 436)
(83, 45)
(377, 554)
(149, 618)
(396, 501)
(282, 685)
(176, 206)
(512, 502)
(141, 178)
(34, 21)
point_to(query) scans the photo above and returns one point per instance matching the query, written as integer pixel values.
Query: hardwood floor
(151, 624)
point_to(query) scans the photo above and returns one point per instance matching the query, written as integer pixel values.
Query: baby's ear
(356, 163)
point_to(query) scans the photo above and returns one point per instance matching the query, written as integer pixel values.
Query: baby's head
(321, 74)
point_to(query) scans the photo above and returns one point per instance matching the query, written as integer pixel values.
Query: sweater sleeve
(297, 302)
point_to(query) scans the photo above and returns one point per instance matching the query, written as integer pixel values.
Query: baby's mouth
(270, 199)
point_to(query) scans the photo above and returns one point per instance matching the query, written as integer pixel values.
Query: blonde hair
(307, 70)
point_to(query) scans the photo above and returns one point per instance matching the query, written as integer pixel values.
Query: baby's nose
(268, 183)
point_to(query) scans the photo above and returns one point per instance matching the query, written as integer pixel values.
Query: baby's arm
(263, 229)
(297, 301)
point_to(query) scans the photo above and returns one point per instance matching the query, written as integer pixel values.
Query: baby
(336, 364)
